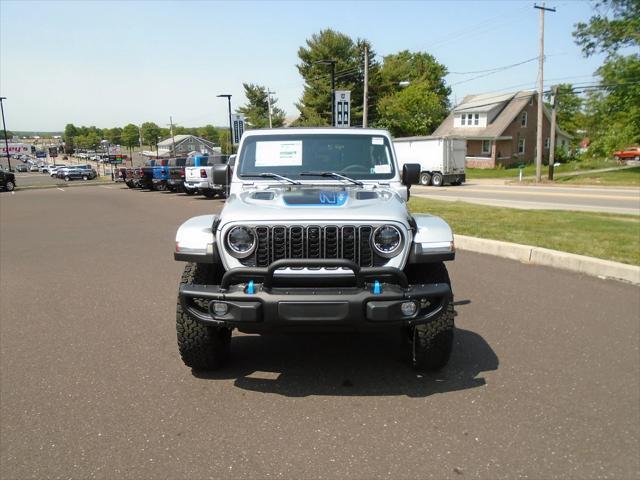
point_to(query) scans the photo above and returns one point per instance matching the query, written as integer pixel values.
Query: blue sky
(111, 63)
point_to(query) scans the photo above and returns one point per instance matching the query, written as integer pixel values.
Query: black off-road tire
(429, 346)
(201, 347)
(189, 191)
(9, 186)
(209, 193)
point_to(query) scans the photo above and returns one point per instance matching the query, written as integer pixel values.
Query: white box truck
(441, 158)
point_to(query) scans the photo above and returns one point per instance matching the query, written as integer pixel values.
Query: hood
(314, 203)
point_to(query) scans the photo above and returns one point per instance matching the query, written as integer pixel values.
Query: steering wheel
(355, 168)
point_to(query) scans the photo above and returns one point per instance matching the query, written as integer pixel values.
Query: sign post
(343, 108)
(238, 127)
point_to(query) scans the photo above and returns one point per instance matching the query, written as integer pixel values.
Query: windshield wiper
(273, 175)
(332, 175)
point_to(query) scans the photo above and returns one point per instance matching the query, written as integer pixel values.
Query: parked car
(54, 169)
(74, 173)
(33, 168)
(631, 153)
(7, 179)
(21, 167)
(200, 178)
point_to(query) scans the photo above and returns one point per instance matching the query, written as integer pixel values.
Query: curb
(63, 185)
(551, 258)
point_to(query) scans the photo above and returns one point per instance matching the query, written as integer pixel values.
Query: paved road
(544, 381)
(590, 199)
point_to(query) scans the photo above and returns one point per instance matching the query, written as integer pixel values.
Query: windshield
(356, 156)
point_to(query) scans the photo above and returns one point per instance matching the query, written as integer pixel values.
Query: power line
(505, 67)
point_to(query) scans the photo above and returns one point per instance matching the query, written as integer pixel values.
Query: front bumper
(373, 301)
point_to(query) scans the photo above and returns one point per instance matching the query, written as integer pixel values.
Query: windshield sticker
(377, 141)
(279, 154)
(382, 169)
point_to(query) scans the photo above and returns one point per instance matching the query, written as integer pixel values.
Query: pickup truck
(315, 236)
(175, 181)
(199, 178)
(153, 174)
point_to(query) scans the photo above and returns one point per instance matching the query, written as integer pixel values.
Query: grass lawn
(608, 236)
(530, 170)
(629, 177)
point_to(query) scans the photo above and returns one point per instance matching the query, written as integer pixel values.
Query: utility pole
(269, 104)
(173, 139)
(4, 127)
(540, 89)
(365, 100)
(552, 133)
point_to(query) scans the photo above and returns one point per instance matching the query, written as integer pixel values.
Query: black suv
(7, 179)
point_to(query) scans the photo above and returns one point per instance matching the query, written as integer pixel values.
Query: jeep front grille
(347, 242)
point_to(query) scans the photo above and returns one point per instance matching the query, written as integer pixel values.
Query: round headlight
(387, 240)
(241, 241)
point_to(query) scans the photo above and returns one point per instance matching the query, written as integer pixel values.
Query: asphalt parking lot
(544, 380)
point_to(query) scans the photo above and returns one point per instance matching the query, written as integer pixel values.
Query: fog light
(220, 309)
(409, 309)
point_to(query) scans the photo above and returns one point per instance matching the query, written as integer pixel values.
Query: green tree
(208, 132)
(9, 134)
(113, 135)
(130, 138)
(419, 108)
(615, 25)
(223, 138)
(315, 104)
(257, 108)
(569, 107)
(70, 132)
(613, 107)
(151, 133)
(415, 110)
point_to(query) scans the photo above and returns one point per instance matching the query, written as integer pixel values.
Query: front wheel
(10, 186)
(436, 180)
(67, 178)
(425, 178)
(201, 347)
(85, 178)
(429, 346)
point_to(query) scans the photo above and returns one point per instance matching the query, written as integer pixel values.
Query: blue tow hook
(377, 288)
(250, 288)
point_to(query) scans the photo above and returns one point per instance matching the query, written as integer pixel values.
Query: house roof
(509, 106)
(181, 138)
(483, 102)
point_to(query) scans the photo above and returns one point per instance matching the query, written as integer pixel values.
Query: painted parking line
(61, 189)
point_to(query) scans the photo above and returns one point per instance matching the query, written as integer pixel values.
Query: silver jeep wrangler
(315, 236)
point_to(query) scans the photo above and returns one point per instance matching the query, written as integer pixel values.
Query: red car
(631, 153)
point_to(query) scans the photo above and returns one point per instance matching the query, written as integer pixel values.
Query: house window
(547, 142)
(486, 146)
(523, 119)
(463, 118)
(521, 146)
(476, 119)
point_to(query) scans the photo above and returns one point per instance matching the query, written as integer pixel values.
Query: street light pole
(6, 140)
(333, 88)
(228, 97)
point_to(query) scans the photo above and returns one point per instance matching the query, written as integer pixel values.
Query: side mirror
(221, 174)
(410, 174)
